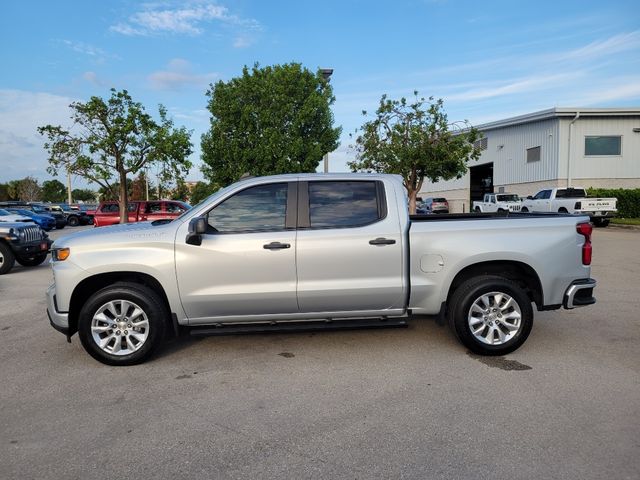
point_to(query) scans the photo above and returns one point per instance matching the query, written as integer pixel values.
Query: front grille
(32, 234)
(515, 208)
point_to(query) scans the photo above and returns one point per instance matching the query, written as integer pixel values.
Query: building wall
(625, 166)
(507, 149)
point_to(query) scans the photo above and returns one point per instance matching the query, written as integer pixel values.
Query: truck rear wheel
(601, 222)
(7, 259)
(490, 315)
(122, 324)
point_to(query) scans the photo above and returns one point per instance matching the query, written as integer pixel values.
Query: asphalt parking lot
(402, 403)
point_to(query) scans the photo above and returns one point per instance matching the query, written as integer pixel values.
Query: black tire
(33, 261)
(7, 258)
(60, 226)
(524, 210)
(471, 291)
(601, 222)
(73, 221)
(477, 210)
(143, 297)
(563, 210)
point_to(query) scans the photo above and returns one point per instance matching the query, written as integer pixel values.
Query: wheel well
(562, 210)
(519, 272)
(90, 285)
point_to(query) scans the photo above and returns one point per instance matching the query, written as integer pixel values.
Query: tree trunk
(413, 194)
(124, 211)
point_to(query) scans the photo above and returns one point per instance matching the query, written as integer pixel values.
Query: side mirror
(197, 226)
(529, 197)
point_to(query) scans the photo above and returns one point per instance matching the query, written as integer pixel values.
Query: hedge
(628, 200)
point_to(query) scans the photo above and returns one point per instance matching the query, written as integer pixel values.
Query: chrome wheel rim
(494, 318)
(120, 327)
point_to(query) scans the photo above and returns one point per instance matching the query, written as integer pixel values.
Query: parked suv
(434, 205)
(25, 243)
(108, 213)
(61, 220)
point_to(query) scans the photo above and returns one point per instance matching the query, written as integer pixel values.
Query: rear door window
(110, 208)
(153, 207)
(344, 204)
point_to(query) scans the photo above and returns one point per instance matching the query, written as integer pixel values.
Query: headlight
(60, 254)
(22, 234)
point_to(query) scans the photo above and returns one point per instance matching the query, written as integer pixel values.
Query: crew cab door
(541, 202)
(349, 249)
(245, 264)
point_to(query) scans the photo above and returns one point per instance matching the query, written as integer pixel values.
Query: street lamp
(326, 74)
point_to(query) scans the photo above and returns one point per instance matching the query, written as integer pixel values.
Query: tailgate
(596, 204)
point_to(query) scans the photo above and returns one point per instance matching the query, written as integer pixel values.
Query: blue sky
(487, 60)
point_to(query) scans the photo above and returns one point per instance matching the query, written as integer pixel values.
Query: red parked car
(108, 213)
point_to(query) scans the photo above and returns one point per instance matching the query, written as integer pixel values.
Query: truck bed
(483, 216)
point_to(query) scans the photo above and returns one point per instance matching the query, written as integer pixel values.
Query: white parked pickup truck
(498, 202)
(572, 200)
(315, 251)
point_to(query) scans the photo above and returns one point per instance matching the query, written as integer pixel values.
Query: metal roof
(558, 112)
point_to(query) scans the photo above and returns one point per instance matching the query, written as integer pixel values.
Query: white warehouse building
(559, 147)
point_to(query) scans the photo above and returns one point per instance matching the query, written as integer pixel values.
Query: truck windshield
(508, 198)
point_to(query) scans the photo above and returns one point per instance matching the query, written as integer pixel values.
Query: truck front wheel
(32, 261)
(7, 259)
(491, 315)
(122, 324)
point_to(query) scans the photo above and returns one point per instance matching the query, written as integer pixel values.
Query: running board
(230, 329)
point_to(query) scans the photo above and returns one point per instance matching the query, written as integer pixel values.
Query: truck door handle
(382, 241)
(276, 246)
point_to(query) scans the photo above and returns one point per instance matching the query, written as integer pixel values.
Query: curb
(624, 227)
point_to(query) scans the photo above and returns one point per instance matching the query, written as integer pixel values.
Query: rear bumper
(580, 294)
(599, 214)
(58, 320)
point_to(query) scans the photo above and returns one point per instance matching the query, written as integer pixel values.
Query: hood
(15, 218)
(140, 232)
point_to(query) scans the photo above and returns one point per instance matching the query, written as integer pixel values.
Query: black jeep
(25, 243)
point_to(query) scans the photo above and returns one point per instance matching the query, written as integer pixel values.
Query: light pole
(326, 74)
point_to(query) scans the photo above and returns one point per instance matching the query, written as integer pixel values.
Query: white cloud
(179, 74)
(242, 42)
(513, 87)
(21, 147)
(96, 54)
(188, 19)
(616, 44)
(93, 78)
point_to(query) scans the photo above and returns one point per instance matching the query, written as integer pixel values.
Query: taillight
(585, 230)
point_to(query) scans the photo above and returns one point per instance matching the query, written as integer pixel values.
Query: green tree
(112, 192)
(270, 120)
(414, 140)
(4, 191)
(181, 191)
(114, 138)
(53, 191)
(83, 195)
(13, 189)
(200, 191)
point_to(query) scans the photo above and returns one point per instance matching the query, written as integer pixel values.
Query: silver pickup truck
(313, 249)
